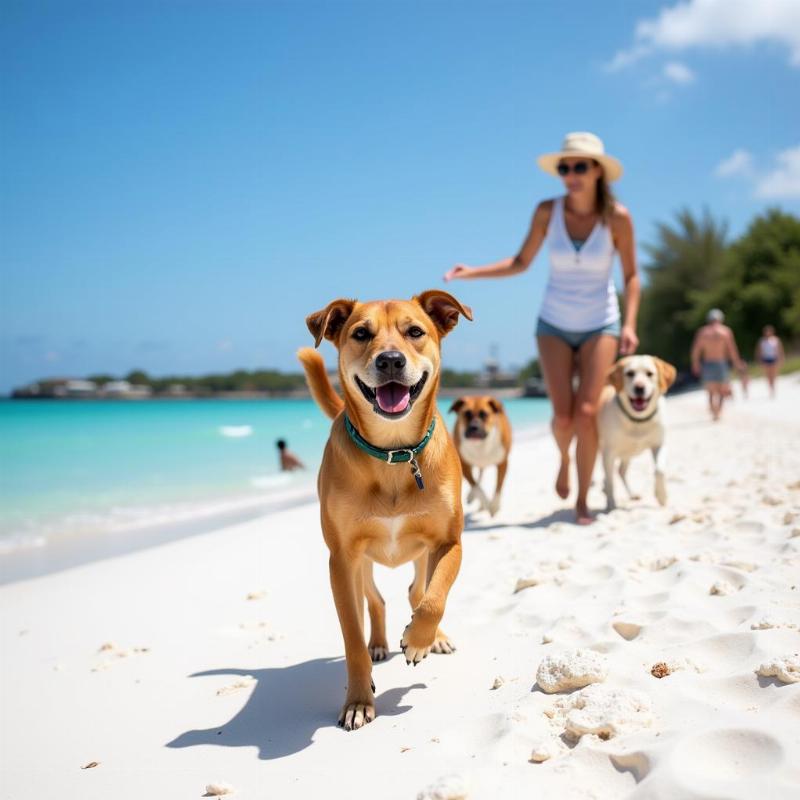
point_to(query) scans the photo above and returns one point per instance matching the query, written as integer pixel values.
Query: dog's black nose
(390, 361)
(638, 390)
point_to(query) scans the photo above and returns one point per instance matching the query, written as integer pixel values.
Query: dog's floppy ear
(615, 377)
(329, 321)
(666, 374)
(443, 309)
(457, 405)
(496, 405)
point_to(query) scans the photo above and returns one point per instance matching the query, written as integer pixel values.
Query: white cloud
(624, 58)
(678, 73)
(782, 182)
(740, 162)
(716, 23)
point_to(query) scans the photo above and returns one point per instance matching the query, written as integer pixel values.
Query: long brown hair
(605, 199)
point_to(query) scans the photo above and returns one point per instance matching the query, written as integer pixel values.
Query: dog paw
(415, 646)
(378, 652)
(473, 494)
(356, 714)
(442, 644)
(494, 505)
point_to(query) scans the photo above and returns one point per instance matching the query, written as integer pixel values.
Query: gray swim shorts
(715, 372)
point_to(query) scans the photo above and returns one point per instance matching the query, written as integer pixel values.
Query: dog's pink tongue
(392, 397)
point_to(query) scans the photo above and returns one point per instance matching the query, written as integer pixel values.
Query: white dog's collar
(630, 416)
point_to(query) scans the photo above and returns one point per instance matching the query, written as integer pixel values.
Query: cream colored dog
(630, 419)
(390, 480)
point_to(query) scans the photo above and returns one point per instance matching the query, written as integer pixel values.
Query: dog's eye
(415, 332)
(630, 373)
(361, 334)
(649, 374)
(482, 414)
(468, 415)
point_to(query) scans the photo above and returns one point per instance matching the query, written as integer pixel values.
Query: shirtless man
(289, 461)
(713, 351)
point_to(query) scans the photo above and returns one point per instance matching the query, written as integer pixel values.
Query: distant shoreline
(503, 393)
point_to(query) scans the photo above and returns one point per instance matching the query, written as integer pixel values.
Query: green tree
(685, 261)
(760, 281)
(138, 376)
(533, 369)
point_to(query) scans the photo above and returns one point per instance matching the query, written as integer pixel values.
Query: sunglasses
(579, 168)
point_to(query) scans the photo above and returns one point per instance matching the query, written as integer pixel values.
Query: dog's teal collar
(398, 455)
(630, 416)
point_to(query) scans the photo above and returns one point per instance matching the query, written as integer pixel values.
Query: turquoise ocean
(78, 466)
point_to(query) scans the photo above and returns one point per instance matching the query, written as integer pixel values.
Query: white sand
(200, 686)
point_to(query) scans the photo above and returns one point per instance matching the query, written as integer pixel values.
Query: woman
(579, 315)
(769, 353)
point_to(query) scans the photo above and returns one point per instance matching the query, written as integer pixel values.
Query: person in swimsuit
(713, 350)
(579, 317)
(289, 461)
(769, 353)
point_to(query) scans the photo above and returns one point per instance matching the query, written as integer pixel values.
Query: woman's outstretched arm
(521, 261)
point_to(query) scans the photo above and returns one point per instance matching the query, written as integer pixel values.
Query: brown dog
(482, 435)
(373, 506)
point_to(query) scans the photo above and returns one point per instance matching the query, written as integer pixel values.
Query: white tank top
(580, 293)
(769, 347)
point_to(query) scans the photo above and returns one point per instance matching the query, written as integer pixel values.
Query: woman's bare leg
(557, 360)
(596, 357)
(772, 372)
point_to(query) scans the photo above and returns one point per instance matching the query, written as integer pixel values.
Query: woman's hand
(458, 271)
(628, 341)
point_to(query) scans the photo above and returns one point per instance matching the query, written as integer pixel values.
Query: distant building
(57, 387)
(125, 390)
(79, 388)
(177, 390)
(492, 375)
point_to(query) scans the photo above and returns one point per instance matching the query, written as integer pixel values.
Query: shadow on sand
(286, 708)
(479, 525)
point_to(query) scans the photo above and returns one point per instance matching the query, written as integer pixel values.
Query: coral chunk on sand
(449, 787)
(543, 750)
(605, 712)
(571, 669)
(785, 668)
(218, 789)
(660, 670)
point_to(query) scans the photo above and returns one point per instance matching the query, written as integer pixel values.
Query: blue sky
(181, 183)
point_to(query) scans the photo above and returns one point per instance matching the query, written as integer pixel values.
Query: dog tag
(415, 471)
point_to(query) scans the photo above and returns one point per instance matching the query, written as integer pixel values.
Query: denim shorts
(576, 338)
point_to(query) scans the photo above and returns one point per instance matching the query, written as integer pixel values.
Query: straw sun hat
(580, 144)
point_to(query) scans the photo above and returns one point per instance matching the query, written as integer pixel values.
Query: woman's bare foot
(562, 481)
(582, 515)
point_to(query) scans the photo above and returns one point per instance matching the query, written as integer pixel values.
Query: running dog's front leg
(494, 505)
(420, 634)
(659, 457)
(608, 481)
(348, 595)
(475, 490)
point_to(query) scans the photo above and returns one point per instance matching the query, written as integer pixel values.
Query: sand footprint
(720, 760)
